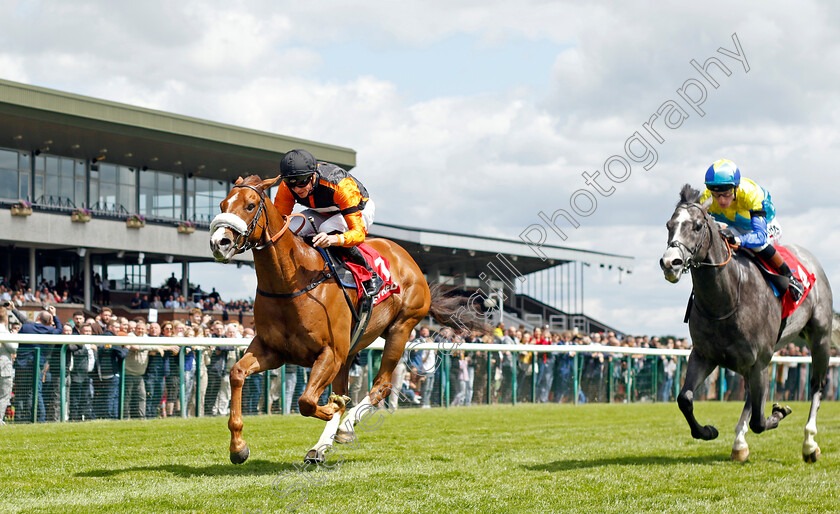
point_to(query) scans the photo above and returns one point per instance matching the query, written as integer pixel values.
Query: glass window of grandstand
(203, 198)
(128, 277)
(14, 175)
(59, 182)
(113, 189)
(161, 194)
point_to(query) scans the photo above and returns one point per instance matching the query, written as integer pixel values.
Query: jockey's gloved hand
(730, 237)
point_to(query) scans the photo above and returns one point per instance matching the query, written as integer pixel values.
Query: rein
(243, 244)
(692, 263)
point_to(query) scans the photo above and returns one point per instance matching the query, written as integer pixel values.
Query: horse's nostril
(676, 262)
(224, 242)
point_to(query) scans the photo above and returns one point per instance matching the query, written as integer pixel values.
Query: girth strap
(325, 275)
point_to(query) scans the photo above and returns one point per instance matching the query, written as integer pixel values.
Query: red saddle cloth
(378, 263)
(799, 271)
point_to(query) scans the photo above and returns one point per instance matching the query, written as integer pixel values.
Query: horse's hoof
(314, 457)
(339, 399)
(740, 455)
(812, 457)
(240, 456)
(784, 411)
(707, 433)
(344, 437)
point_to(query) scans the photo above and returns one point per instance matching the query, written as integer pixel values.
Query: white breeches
(331, 222)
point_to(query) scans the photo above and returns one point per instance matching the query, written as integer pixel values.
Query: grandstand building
(74, 170)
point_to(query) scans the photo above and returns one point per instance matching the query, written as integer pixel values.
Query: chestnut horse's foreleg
(698, 369)
(255, 360)
(324, 371)
(382, 387)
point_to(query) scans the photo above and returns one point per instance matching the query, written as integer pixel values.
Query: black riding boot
(355, 256)
(773, 257)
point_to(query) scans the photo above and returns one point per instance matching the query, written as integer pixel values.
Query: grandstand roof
(34, 118)
(454, 254)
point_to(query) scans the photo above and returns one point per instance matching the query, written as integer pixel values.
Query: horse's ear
(269, 183)
(239, 180)
(707, 203)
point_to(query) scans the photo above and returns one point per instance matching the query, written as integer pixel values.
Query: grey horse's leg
(759, 389)
(819, 369)
(698, 369)
(740, 449)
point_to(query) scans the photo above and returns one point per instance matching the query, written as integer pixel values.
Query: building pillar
(185, 279)
(88, 286)
(434, 273)
(8, 264)
(32, 270)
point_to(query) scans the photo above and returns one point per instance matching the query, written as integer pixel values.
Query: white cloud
(487, 162)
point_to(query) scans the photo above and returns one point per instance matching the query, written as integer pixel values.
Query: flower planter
(135, 223)
(183, 229)
(80, 217)
(18, 210)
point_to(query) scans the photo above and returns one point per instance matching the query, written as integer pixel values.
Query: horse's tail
(455, 311)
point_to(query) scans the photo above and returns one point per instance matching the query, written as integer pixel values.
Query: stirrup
(796, 289)
(371, 287)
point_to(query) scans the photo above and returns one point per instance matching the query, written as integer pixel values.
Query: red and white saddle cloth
(378, 263)
(799, 271)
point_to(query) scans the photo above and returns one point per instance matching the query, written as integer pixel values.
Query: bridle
(692, 262)
(242, 242)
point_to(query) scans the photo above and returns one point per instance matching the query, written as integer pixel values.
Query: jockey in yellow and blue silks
(747, 210)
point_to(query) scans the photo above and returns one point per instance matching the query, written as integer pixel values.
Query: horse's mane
(688, 195)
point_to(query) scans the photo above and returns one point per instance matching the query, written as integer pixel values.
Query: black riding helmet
(297, 163)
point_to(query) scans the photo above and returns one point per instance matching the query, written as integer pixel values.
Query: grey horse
(735, 322)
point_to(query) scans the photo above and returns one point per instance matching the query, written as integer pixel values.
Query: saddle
(350, 276)
(778, 283)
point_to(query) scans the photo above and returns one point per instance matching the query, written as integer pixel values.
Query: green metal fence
(570, 374)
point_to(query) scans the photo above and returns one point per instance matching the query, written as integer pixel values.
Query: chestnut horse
(302, 318)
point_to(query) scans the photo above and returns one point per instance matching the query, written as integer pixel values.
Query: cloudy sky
(474, 116)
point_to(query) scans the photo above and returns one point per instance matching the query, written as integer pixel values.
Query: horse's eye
(251, 207)
(698, 225)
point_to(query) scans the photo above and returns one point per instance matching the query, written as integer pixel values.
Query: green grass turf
(545, 458)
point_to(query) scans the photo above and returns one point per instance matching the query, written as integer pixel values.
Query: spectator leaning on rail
(136, 363)
(748, 211)
(107, 377)
(84, 361)
(157, 369)
(337, 201)
(7, 369)
(46, 323)
(216, 370)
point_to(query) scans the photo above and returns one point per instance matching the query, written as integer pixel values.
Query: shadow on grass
(569, 464)
(251, 468)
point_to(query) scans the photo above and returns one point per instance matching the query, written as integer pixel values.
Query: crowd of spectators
(167, 296)
(151, 379)
(549, 377)
(94, 373)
